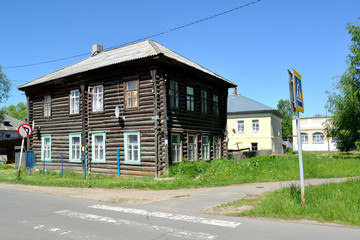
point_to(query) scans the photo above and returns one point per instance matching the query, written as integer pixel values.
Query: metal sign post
(296, 105)
(24, 131)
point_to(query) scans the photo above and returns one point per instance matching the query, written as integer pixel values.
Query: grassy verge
(219, 172)
(336, 202)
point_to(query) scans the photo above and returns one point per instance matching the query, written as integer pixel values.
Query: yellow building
(252, 125)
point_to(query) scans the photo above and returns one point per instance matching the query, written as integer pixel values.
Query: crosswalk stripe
(171, 216)
(168, 231)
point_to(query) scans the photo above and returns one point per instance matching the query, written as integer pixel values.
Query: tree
(5, 86)
(286, 124)
(19, 111)
(344, 104)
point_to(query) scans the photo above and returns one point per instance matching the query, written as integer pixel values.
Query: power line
(141, 39)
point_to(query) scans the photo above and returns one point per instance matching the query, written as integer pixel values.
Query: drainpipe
(165, 119)
(155, 118)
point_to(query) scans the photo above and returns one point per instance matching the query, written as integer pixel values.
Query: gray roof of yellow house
(240, 104)
(143, 49)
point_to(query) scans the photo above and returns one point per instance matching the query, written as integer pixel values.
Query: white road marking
(169, 231)
(171, 216)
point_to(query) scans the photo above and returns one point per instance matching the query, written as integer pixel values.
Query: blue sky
(252, 47)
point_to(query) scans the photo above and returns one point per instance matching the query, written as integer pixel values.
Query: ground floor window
(205, 150)
(46, 148)
(254, 146)
(175, 147)
(217, 147)
(192, 148)
(75, 147)
(132, 147)
(98, 147)
(318, 137)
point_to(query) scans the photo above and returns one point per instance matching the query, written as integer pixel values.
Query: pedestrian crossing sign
(298, 92)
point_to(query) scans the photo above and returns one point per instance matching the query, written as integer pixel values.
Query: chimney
(96, 49)
(234, 91)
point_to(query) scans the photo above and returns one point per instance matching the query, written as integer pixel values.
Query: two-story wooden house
(153, 105)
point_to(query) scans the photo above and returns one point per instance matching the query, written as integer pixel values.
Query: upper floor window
(204, 101)
(132, 94)
(190, 98)
(216, 105)
(304, 138)
(174, 94)
(47, 106)
(74, 101)
(318, 137)
(98, 99)
(241, 126)
(255, 125)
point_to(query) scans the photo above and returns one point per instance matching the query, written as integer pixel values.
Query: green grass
(336, 202)
(219, 172)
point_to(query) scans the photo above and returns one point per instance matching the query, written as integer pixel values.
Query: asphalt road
(29, 215)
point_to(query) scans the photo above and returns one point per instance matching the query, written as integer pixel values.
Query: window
(192, 149)
(174, 94)
(318, 137)
(98, 147)
(98, 99)
(74, 102)
(217, 147)
(204, 102)
(132, 94)
(216, 105)
(205, 150)
(189, 98)
(254, 146)
(47, 106)
(241, 126)
(46, 148)
(175, 148)
(255, 125)
(75, 147)
(132, 147)
(304, 138)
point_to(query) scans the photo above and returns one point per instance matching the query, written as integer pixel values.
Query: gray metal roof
(127, 53)
(13, 122)
(240, 104)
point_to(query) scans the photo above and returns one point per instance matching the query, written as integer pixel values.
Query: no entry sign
(25, 130)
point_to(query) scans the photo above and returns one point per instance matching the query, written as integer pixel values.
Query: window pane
(131, 85)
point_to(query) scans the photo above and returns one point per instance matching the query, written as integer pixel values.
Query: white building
(313, 135)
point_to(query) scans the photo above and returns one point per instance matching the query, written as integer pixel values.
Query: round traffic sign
(25, 130)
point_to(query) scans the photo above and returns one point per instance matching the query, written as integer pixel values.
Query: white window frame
(205, 148)
(97, 148)
(47, 106)
(241, 126)
(126, 146)
(77, 147)
(304, 138)
(318, 138)
(74, 101)
(132, 95)
(98, 99)
(255, 125)
(192, 147)
(46, 149)
(190, 103)
(174, 94)
(176, 153)
(217, 147)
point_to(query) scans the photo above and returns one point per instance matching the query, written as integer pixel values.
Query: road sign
(25, 130)
(298, 92)
(291, 91)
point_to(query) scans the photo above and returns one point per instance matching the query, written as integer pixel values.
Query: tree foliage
(344, 102)
(19, 111)
(286, 124)
(5, 87)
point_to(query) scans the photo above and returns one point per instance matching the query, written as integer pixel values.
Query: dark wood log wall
(61, 124)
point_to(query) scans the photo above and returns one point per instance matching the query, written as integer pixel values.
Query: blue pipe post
(62, 164)
(118, 161)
